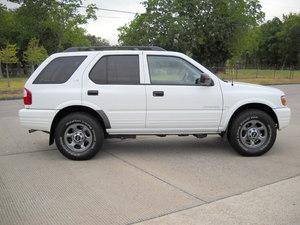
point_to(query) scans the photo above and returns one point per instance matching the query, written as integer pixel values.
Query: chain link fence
(15, 71)
(259, 73)
(225, 72)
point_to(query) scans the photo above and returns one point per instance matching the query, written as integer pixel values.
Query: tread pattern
(243, 117)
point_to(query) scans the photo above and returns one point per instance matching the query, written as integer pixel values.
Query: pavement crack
(216, 200)
(21, 153)
(156, 177)
(252, 189)
(165, 214)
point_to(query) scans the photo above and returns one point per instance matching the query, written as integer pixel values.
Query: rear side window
(59, 70)
(116, 69)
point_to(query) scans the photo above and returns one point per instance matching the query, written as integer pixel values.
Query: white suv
(84, 95)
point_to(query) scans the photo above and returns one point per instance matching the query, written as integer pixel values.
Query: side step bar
(131, 136)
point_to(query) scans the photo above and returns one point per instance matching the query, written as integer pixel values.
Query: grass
(15, 90)
(244, 75)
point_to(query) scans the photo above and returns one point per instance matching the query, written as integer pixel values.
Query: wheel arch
(98, 114)
(261, 106)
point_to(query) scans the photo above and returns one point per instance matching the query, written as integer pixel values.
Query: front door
(175, 103)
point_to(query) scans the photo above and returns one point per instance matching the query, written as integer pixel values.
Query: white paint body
(132, 109)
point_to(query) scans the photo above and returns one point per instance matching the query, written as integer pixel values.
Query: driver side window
(171, 70)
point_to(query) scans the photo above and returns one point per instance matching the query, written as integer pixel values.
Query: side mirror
(205, 80)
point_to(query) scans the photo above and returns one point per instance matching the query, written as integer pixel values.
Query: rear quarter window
(59, 70)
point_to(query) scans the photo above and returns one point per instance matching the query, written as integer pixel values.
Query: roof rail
(108, 48)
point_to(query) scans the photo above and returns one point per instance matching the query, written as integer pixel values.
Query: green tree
(55, 23)
(208, 29)
(244, 48)
(97, 41)
(8, 56)
(290, 40)
(269, 50)
(7, 28)
(34, 54)
(278, 42)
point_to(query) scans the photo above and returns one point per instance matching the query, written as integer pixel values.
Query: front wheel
(79, 136)
(252, 133)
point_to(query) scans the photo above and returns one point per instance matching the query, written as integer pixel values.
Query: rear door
(112, 84)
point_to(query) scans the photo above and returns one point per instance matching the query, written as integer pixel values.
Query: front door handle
(92, 92)
(158, 93)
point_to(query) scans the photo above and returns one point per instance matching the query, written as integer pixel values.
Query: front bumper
(37, 119)
(283, 116)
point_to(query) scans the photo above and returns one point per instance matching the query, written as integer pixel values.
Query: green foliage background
(41, 27)
(216, 32)
(213, 32)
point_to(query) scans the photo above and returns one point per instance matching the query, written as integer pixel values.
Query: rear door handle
(158, 93)
(92, 92)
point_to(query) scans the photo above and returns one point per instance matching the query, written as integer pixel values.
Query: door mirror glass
(205, 80)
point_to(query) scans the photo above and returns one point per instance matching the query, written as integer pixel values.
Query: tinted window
(59, 70)
(172, 70)
(116, 69)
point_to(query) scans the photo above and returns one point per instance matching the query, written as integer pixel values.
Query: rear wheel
(79, 136)
(252, 133)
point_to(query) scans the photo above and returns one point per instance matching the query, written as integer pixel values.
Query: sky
(107, 23)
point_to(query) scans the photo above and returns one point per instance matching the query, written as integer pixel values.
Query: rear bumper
(283, 116)
(37, 119)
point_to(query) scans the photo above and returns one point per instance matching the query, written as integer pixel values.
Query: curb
(279, 84)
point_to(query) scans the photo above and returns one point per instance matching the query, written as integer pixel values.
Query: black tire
(79, 136)
(244, 140)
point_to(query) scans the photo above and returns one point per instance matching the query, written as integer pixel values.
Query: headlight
(283, 100)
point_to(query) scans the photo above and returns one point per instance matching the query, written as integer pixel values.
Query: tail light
(27, 97)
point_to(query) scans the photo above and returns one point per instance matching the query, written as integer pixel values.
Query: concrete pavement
(274, 204)
(172, 180)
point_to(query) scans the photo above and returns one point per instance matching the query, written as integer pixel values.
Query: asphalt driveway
(153, 180)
